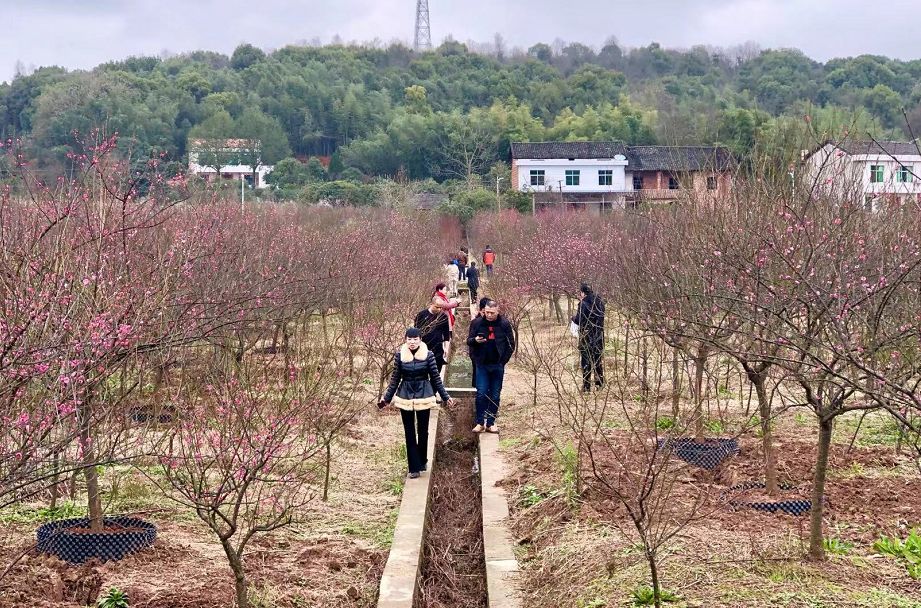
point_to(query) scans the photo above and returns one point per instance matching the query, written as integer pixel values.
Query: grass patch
(907, 551)
(511, 442)
(393, 484)
(715, 427)
(645, 596)
(836, 546)
(379, 534)
(883, 598)
(665, 423)
(25, 514)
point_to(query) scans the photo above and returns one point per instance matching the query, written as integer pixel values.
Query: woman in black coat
(412, 388)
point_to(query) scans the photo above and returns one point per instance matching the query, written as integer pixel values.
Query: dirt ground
(578, 549)
(333, 557)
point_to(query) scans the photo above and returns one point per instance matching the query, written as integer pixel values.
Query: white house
(600, 175)
(231, 156)
(871, 171)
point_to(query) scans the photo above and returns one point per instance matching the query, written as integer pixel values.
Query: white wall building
(870, 171)
(230, 154)
(603, 175)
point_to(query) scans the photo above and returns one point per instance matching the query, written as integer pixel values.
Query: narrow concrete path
(401, 574)
(501, 564)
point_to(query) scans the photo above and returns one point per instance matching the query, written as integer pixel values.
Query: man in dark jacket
(473, 280)
(492, 341)
(590, 319)
(433, 324)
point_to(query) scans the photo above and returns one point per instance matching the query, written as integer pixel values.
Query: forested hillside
(451, 113)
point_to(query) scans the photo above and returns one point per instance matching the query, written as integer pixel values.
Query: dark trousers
(488, 391)
(488, 269)
(473, 298)
(592, 360)
(416, 427)
(462, 275)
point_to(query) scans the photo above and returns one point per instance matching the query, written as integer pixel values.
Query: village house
(607, 175)
(872, 172)
(233, 159)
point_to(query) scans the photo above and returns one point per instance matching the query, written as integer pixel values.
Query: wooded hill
(452, 113)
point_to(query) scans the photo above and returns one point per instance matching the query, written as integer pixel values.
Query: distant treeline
(452, 113)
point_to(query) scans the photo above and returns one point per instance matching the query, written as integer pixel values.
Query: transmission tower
(423, 40)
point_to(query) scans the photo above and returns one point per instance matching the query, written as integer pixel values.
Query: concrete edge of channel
(400, 579)
(501, 563)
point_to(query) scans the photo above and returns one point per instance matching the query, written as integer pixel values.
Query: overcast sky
(84, 33)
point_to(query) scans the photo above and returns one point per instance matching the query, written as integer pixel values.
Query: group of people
(461, 268)
(416, 378)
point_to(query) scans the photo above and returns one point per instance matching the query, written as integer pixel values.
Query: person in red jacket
(489, 258)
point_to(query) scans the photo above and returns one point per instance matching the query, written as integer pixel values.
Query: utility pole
(423, 41)
(242, 192)
(498, 200)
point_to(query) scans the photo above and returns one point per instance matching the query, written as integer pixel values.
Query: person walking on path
(452, 272)
(462, 259)
(492, 341)
(489, 258)
(480, 306)
(433, 325)
(473, 280)
(590, 319)
(412, 389)
(448, 304)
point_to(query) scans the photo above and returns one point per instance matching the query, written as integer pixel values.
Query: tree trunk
(816, 545)
(644, 357)
(654, 572)
(239, 576)
(626, 350)
(767, 439)
(329, 461)
(55, 480)
(700, 363)
(94, 501)
(286, 345)
(676, 385)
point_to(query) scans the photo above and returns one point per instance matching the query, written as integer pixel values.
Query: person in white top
(453, 274)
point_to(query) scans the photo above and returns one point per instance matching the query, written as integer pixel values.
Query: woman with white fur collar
(412, 389)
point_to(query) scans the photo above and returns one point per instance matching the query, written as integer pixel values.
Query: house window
(605, 177)
(711, 182)
(904, 174)
(672, 182)
(868, 202)
(876, 174)
(537, 177)
(572, 177)
(637, 181)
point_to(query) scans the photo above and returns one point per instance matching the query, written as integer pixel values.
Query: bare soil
(334, 557)
(585, 553)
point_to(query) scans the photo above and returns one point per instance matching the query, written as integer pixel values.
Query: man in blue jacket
(492, 341)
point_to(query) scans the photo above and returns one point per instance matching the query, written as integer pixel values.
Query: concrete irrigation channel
(440, 557)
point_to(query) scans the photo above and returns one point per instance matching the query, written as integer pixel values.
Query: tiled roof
(679, 158)
(891, 148)
(568, 149)
(640, 158)
(226, 143)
